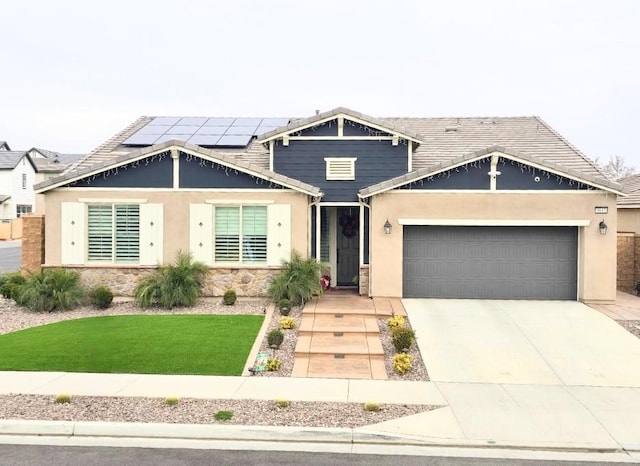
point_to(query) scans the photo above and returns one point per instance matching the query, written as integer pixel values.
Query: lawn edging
(253, 353)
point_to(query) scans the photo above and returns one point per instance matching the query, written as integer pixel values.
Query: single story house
(493, 208)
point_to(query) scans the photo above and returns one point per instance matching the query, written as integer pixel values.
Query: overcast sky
(76, 72)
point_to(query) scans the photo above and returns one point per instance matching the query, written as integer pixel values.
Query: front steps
(339, 337)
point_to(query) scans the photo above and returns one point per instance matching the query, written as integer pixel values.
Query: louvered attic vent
(341, 168)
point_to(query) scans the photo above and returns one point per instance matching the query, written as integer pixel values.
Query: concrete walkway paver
(626, 307)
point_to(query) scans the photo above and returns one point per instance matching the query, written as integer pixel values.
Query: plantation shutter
(201, 232)
(127, 233)
(151, 234)
(227, 230)
(100, 233)
(278, 233)
(254, 234)
(72, 233)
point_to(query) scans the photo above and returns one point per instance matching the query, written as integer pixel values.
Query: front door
(347, 245)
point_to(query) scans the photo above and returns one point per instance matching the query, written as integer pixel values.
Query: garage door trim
(483, 222)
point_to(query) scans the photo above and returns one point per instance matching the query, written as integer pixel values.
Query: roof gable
(482, 156)
(160, 151)
(340, 113)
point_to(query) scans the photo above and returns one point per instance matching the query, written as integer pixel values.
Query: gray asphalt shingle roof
(441, 140)
(631, 187)
(10, 158)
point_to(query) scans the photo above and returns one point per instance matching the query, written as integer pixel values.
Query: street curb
(285, 434)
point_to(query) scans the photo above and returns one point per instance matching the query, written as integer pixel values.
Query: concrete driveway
(523, 342)
(10, 255)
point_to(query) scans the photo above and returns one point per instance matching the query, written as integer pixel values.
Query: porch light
(387, 227)
(603, 227)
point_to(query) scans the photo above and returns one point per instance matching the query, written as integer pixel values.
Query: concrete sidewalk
(549, 417)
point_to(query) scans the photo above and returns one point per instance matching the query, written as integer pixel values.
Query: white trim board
(495, 222)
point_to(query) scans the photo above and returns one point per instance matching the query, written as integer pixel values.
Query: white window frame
(340, 168)
(113, 260)
(241, 260)
(22, 209)
(24, 181)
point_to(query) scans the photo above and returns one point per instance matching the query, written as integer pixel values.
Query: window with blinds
(241, 234)
(113, 233)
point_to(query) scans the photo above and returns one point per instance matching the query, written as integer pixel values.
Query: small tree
(616, 168)
(298, 281)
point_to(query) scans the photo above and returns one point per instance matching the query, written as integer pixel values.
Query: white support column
(493, 174)
(175, 155)
(340, 126)
(271, 155)
(318, 219)
(361, 239)
(410, 156)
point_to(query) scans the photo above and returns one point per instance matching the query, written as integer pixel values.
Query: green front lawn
(143, 344)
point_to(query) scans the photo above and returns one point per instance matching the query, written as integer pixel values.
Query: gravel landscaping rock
(197, 411)
(632, 326)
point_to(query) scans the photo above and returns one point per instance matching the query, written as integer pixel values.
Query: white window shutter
(201, 232)
(73, 233)
(151, 234)
(278, 233)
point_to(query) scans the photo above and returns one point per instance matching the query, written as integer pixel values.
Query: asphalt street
(10, 252)
(36, 455)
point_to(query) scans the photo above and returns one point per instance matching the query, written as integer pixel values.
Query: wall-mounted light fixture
(603, 227)
(387, 227)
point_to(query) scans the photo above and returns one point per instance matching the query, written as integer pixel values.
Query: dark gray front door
(490, 262)
(347, 245)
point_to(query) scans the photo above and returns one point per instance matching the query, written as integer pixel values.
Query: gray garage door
(490, 262)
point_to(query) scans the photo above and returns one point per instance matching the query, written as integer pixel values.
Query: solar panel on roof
(255, 122)
(204, 139)
(151, 129)
(218, 121)
(141, 139)
(181, 130)
(234, 141)
(240, 130)
(218, 130)
(193, 121)
(168, 137)
(164, 121)
(264, 129)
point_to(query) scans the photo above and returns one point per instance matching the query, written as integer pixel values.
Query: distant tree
(616, 168)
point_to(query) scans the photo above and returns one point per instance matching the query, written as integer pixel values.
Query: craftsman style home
(493, 208)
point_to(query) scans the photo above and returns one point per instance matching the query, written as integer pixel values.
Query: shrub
(62, 398)
(171, 401)
(275, 338)
(229, 298)
(284, 306)
(11, 285)
(179, 284)
(402, 338)
(281, 403)
(298, 280)
(402, 363)
(287, 323)
(273, 364)
(101, 297)
(223, 415)
(373, 406)
(51, 290)
(395, 322)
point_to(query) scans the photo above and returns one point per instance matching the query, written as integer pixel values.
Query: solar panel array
(203, 131)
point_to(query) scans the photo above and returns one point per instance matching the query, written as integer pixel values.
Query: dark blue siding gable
(152, 172)
(376, 161)
(516, 175)
(471, 176)
(330, 128)
(513, 176)
(196, 172)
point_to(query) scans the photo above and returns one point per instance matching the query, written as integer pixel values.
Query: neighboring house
(496, 208)
(17, 176)
(629, 205)
(20, 170)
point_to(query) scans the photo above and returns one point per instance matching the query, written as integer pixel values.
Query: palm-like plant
(51, 290)
(179, 284)
(298, 281)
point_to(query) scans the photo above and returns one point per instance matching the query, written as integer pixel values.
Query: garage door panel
(490, 262)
